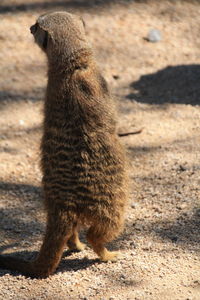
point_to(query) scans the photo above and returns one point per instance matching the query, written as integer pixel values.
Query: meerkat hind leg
(104, 254)
(74, 243)
(58, 231)
(97, 242)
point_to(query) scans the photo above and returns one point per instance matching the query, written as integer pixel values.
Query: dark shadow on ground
(178, 84)
(19, 221)
(142, 151)
(70, 5)
(22, 190)
(76, 264)
(61, 4)
(32, 96)
(21, 187)
(17, 133)
(184, 231)
(66, 264)
(19, 225)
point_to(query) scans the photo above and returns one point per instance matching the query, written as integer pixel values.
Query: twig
(130, 133)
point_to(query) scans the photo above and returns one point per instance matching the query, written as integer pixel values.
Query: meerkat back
(82, 160)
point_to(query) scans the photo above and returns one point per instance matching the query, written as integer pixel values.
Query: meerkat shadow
(24, 255)
(66, 264)
(76, 264)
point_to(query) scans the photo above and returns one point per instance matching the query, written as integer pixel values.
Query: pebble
(154, 36)
(116, 77)
(134, 205)
(21, 122)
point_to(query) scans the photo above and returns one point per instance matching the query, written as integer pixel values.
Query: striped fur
(82, 161)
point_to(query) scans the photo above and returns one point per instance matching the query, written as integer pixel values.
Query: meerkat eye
(34, 28)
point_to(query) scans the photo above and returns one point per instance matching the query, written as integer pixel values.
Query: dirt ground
(157, 88)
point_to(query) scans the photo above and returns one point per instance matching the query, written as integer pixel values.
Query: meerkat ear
(45, 40)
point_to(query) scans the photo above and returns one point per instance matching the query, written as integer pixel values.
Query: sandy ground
(157, 88)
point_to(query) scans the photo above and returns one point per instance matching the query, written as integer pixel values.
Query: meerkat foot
(109, 255)
(74, 243)
(76, 246)
(97, 242)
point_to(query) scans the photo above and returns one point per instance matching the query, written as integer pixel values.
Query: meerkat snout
(40, 36)
(33, 28)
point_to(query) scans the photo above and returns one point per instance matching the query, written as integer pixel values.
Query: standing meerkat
(82, 160)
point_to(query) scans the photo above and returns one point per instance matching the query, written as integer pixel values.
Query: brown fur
(83, 165)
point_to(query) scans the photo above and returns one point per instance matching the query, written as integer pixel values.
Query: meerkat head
(61, 32)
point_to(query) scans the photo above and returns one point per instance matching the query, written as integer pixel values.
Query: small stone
(134, 205)
(147, 247)
(21, 122)
(116, 77)
(133, 245)
(182, 168)
(154, 36)
(174, 239)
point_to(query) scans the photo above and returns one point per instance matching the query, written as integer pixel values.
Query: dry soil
(157, 88)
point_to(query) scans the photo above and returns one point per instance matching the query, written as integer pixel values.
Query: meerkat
(82, 161)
